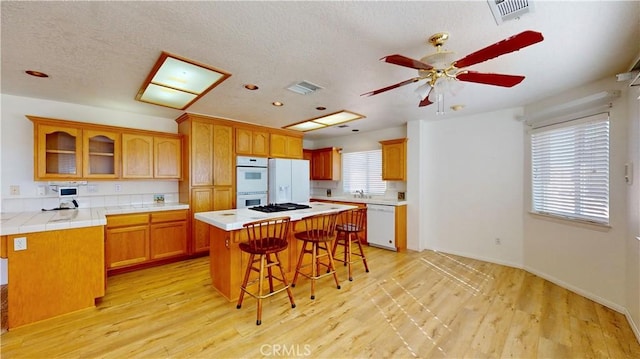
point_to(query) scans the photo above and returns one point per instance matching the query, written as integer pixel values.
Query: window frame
(372, 169)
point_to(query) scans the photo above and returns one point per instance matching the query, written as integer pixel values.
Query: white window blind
(570, 169)
(363, 171)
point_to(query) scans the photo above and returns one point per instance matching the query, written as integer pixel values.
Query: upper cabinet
(394, 160)
(167, 160)
(252, 142)
(326, 164)
(101, 154)
(285, 146)
(66, 150)
(137, 156)
(58, 152)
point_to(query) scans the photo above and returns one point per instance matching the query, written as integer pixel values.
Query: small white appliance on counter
(288, 180)
(251, 181)
(381, 226)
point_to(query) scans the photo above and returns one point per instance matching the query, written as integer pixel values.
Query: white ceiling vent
(505, 10)
(304, 88)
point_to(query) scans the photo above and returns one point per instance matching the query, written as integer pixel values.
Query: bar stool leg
(285, 281)
(364, 259)
(314, 268)
(333, 267)
(299, 265)
(348, 255)
(260, 285)
(245, 281)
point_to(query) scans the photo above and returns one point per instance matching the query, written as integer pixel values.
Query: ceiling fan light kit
(443, 75)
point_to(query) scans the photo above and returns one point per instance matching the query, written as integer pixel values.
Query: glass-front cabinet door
(60, 151)
(101, 154)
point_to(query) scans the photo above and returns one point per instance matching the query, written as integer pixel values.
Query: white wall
(16, 159)
(587, 259)
(470, 172)
(633, 204)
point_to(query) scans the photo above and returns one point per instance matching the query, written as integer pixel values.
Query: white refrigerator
(288, 181)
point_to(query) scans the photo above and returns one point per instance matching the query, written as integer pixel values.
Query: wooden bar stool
(319, 231)
(266, 238)
(350, 224)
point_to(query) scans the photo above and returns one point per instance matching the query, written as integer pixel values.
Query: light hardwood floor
(411, 305)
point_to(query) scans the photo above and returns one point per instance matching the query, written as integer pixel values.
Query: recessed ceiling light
(177, 82)
(36, 73)
(321, 108)
(355, 130)
(251, 87)
(457, 107)
(325, 121)
(277, 103)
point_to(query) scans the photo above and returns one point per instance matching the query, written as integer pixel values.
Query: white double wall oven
(252, 181)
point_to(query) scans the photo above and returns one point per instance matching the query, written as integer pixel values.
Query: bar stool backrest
(321, 227)
(352, 220)
(267, 233)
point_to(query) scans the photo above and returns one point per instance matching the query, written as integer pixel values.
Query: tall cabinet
(209, 162)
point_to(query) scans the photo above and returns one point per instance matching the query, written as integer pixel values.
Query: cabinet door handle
(226, 242)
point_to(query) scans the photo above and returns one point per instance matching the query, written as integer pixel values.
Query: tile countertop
(233, 219)
(29, 222)
(374, 200)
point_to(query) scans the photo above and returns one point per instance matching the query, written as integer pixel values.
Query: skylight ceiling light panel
(336, 118)
(185, 76)
(306, 126)
(165, 96)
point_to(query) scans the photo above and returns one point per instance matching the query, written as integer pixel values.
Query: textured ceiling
(99, 53)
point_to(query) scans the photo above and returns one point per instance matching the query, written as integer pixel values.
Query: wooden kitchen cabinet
(326, 164)
(394, 160)
(223, 158)
(101, 155)
(67, 150)
(252, 142)
(142, 238)
(308, 155)
(146, 156)
(167, 160)
(127, 241)
(61, 271)
(284, 146)
(58, 151)
(201, 201)
(168, 234)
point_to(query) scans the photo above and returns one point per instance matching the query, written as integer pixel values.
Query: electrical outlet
(20, 244)
(41, 190)
(118, 187)
(14, 190)
(92, 188)
(498, 241)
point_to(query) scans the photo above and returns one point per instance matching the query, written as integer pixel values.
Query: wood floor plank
(410, 305)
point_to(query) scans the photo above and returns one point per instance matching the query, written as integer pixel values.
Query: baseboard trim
(633, 325)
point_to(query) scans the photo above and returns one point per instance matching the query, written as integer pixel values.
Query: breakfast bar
(227, 262)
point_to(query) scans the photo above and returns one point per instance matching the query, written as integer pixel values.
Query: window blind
(363, 171)
(570, 169)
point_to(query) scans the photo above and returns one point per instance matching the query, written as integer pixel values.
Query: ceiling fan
(442, 74)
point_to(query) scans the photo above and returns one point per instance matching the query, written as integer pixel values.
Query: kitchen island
(228, 262)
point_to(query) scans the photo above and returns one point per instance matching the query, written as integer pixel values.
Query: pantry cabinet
(394, 159)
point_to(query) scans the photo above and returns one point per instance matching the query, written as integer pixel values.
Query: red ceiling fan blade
(426, 101)
(511, 44)
(406, 62)
(371, 93)
(490, 79)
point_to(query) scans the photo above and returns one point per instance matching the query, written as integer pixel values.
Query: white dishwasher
(381, 226)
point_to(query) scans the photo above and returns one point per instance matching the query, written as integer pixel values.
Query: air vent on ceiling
(505, 10)
(304, 88)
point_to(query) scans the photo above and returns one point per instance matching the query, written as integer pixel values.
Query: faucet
(360, 194)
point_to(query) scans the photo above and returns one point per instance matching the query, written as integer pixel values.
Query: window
(363, 171)
(570, 169)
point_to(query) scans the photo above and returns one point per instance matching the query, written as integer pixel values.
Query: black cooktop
(279, 207)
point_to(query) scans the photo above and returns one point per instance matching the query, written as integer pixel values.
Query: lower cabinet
(141, 238)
